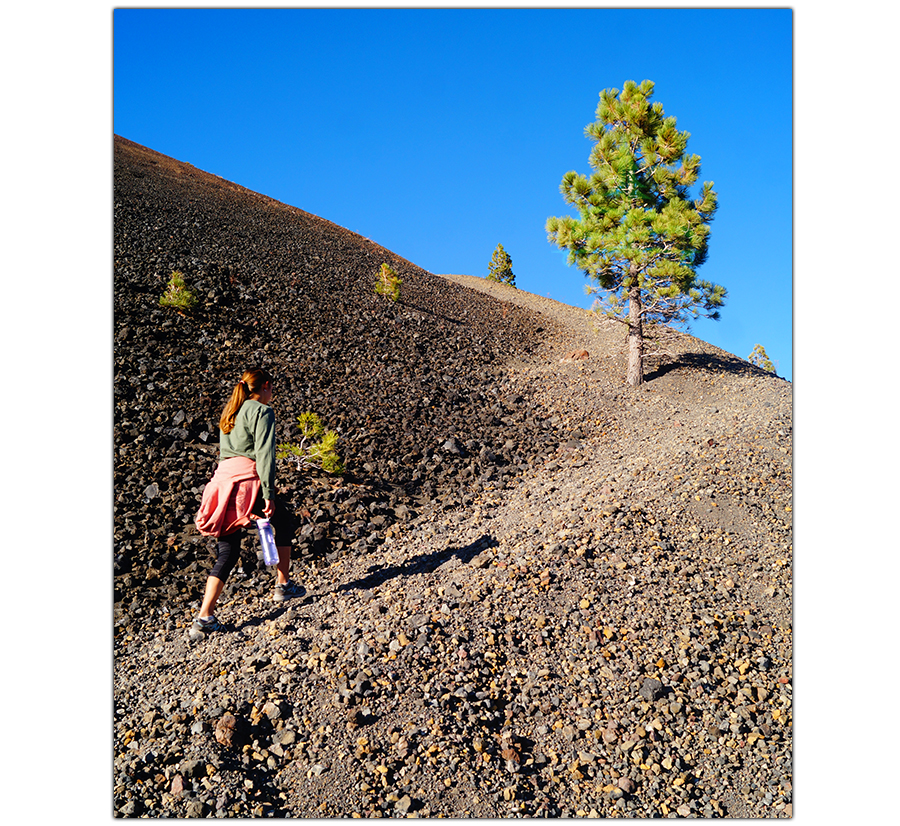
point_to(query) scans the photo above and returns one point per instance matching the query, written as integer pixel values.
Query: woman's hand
(269, 508)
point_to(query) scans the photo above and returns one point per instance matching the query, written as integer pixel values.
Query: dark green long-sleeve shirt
(254, 437)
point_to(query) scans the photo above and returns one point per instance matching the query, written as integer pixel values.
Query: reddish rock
(627, 785)
(575, 355)
(177, 786)
(225, 729)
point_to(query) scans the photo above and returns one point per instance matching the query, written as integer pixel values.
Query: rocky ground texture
(534, 592)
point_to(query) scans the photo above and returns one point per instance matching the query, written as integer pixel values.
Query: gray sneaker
(200, 629)
(289, 590)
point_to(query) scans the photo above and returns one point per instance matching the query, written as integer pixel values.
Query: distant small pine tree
(761, 359)
(178, 295)
(388, 283)
(501, 267)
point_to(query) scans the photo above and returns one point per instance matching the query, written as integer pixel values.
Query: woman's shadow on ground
(421, 564)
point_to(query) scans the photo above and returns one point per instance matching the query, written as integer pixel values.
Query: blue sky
(439, 133)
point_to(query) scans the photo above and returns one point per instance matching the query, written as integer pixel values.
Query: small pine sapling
(760, 358)
(325, 453)
(178, 295)
(388, 283)
(500, 268)
(317, 447)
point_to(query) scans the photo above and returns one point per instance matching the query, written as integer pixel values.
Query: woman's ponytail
(251, 382)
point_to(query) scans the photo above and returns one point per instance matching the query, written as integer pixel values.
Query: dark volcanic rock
(652, 690)
(406, 385)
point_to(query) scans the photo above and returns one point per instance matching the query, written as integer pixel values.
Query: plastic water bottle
(267, 540)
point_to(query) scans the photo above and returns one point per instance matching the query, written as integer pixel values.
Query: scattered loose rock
(536, 592)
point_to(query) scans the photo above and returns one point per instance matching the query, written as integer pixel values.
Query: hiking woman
(243, 489)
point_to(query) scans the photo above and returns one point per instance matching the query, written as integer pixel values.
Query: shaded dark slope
(416, 389)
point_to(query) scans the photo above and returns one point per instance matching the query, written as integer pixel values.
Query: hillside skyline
(442, 153)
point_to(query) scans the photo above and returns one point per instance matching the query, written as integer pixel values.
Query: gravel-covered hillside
(295, 293)
(533, 592)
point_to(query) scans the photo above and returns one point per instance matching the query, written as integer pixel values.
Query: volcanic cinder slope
(534, 590)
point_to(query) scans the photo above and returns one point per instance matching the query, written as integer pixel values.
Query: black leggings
(228, 547)
(228, 552)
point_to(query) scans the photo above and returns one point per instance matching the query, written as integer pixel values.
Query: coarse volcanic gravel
(535, 591)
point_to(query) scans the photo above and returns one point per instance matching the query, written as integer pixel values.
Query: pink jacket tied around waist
(228, 497)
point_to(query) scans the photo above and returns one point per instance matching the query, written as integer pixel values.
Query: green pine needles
(640, 237)
(317, 447)
(500, 268)
(388, 283)
(178, 295)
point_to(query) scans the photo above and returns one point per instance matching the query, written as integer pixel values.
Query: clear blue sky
(439, 133)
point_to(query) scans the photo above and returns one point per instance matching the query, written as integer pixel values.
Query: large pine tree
(640, 238)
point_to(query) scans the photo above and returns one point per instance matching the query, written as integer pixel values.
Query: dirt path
(586, 326)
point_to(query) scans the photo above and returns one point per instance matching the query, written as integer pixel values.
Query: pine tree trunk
(635, 339)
